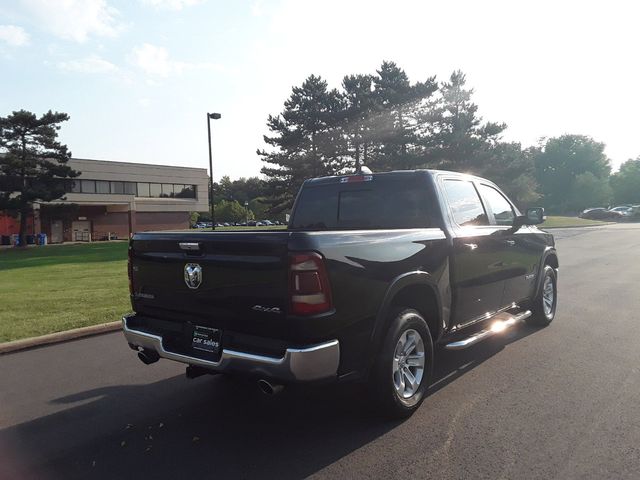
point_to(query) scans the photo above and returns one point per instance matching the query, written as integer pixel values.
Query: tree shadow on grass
(208, 427)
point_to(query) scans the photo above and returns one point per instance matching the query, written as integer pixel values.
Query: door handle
(510, 243)
(471, 246)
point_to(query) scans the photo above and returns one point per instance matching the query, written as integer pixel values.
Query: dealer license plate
(206, 339)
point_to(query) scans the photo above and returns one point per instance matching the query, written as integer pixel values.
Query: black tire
(382, 381)
(541, 316)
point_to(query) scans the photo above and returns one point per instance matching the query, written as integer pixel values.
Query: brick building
(114, 199)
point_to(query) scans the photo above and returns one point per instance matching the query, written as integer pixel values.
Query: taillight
(130, 268)
(308, 284)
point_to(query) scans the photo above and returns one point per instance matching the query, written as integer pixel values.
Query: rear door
(477, 270)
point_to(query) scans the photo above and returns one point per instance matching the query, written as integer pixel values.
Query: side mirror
(535, 216)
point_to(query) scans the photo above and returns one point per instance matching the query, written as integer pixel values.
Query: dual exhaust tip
(148, 357)
(269, 388)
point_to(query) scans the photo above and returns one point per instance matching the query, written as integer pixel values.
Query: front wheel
(543, 309)
(403, 369)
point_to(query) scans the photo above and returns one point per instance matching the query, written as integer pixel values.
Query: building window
(167, 190)
(155, 190)
(117, 187)
(143, 190)
(102, 186)
(88, 186)
(186, 191)
(129, 188)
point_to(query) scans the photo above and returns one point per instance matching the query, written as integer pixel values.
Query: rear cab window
(383, 201)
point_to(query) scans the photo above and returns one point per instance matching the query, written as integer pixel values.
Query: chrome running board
(499, 324)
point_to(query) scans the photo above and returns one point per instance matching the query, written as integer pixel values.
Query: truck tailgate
(244, 286)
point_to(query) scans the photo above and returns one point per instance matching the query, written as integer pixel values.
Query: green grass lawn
(59, 287)
(558, 222)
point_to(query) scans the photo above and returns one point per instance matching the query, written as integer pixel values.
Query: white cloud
(171, 4)
(153, 60)
(13, 35)
(75, 19)
(156, 61)
(91, 64)
(257, 8)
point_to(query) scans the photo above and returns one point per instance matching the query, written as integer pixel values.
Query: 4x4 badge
(192, 275)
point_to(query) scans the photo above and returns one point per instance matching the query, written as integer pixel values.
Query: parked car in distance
(373, 273)
(600, 214)
(251, 223)
(624, 210)
(267, 222)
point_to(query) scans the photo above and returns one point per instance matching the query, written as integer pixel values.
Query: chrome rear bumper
(314, 362)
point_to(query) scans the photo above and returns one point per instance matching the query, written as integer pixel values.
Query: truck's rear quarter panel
(362, 266)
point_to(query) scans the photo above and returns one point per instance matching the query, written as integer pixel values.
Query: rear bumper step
(500, 324)
(313, 362)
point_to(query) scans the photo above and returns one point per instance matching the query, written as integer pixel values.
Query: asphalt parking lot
(561, 402)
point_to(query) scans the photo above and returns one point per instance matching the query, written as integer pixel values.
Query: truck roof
(394, 173)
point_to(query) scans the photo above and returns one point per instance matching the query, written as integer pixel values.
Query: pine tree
(394, 125)
(33, 167)
(453, 133)
(359, 107)
(306, 141)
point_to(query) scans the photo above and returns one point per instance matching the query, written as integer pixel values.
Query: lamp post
(246, 211)
(211, 116)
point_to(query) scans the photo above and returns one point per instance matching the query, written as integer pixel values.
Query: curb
(59, 337)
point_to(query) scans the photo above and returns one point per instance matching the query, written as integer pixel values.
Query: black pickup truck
(373, 272)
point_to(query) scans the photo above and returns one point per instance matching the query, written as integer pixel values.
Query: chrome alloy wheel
(548, 296)
(408, 363)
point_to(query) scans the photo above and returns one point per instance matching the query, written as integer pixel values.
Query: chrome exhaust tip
(148, 356)
(269, 388)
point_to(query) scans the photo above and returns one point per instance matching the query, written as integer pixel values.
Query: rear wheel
(403, 369)
(544, 305)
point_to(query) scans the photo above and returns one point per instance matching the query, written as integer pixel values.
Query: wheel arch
(550, 257)
(416, 290)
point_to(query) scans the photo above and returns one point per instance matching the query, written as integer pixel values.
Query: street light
(246, 211)
(211, 116)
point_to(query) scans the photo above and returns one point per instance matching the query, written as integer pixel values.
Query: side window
(501, 208)
(465, 203)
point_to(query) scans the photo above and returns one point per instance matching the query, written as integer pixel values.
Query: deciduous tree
(561, 160)
(626, 183)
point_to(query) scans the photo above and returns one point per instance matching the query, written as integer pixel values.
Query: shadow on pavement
(207, 427)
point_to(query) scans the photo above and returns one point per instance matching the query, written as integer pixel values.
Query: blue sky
(138, 76)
